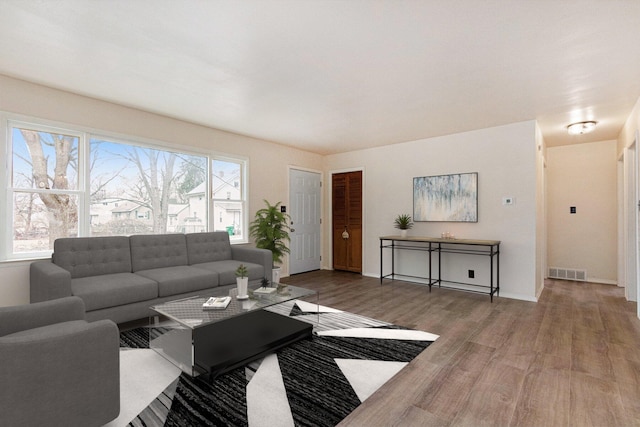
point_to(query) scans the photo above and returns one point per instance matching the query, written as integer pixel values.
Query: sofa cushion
(227, 270)
(180, 279)
(111, 290)
(207, 247)
(92, 256)
(157, 251)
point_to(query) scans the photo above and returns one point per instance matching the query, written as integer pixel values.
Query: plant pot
(243, 284)
(403, 233)
(275, 276)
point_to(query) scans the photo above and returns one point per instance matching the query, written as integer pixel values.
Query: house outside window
(229, 199)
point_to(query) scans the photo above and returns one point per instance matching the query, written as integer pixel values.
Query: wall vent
(568, 274)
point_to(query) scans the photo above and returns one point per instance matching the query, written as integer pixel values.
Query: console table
(439, 246)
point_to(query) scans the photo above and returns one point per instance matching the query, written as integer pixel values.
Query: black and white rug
(315, 382)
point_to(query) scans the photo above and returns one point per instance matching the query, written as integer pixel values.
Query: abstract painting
(446, 198)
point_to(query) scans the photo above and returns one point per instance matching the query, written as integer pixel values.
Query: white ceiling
(334, 76)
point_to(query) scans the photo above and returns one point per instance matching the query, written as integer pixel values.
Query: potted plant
(270, 231)
(403, 223)
(242, 281)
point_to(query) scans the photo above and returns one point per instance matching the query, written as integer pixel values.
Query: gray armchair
(56, 369)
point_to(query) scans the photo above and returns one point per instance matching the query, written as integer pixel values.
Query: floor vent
(567, 274)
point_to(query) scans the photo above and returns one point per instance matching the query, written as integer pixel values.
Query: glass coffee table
(213, 341)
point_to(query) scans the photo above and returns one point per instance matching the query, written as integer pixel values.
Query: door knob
(293, 229)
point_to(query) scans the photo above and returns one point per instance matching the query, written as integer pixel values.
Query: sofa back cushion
(208, 247)
(92, 256)
(157, 251)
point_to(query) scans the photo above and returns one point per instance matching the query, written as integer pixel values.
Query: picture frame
(446, 198)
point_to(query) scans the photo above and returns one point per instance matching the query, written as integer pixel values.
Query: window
(44, 192)
(136, 189)
(228, 198)
(66, 183)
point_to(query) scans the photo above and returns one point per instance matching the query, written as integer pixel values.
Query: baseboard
(603, 281)
(517, 296)
(502, 293)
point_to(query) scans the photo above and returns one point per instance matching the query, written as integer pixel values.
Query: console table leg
(491, 275)
(430, 281)
(381, 261)
(393, 259)
(439, 265)
(498, 270)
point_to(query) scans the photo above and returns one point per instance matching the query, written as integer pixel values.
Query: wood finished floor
(572, 359)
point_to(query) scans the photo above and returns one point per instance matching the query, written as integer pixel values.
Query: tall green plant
(270, 230)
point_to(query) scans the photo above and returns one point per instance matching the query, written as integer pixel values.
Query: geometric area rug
(315, 382)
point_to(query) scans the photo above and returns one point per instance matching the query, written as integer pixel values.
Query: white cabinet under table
(439, 246)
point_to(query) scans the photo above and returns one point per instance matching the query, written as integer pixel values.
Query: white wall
(268, 162)
(583, 176)
(506, 161)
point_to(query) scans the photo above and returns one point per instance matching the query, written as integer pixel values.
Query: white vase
(403, 233)
(275, 276)
(242, 283)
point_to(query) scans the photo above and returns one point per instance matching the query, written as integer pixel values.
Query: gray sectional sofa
(120, 277)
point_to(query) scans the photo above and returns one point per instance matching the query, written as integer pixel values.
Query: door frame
(330, 212)
(636, 203)
(322, 223)
(630, 220)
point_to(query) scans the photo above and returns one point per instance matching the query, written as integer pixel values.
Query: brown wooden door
(347, 221)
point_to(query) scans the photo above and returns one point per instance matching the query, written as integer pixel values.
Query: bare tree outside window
(149, 194)
(44, 177)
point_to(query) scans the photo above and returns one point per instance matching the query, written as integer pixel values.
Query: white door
(304, 197)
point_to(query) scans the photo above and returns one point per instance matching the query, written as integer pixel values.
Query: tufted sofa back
(208, 247)
(157, 251)
(92, 256)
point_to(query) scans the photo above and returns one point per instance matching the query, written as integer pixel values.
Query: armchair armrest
(48, 281)
(67, 374)
(30, 316)
(263, 257)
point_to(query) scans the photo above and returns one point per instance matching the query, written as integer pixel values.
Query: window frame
(244, 177)
(79, 192)
(9, 121)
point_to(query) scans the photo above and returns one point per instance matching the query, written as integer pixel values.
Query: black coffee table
(212, 342)
(223, 346)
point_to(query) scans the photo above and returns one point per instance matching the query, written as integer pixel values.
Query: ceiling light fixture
(581, 127)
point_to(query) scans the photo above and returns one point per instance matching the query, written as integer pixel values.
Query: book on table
(264, 290)
(216, 303)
